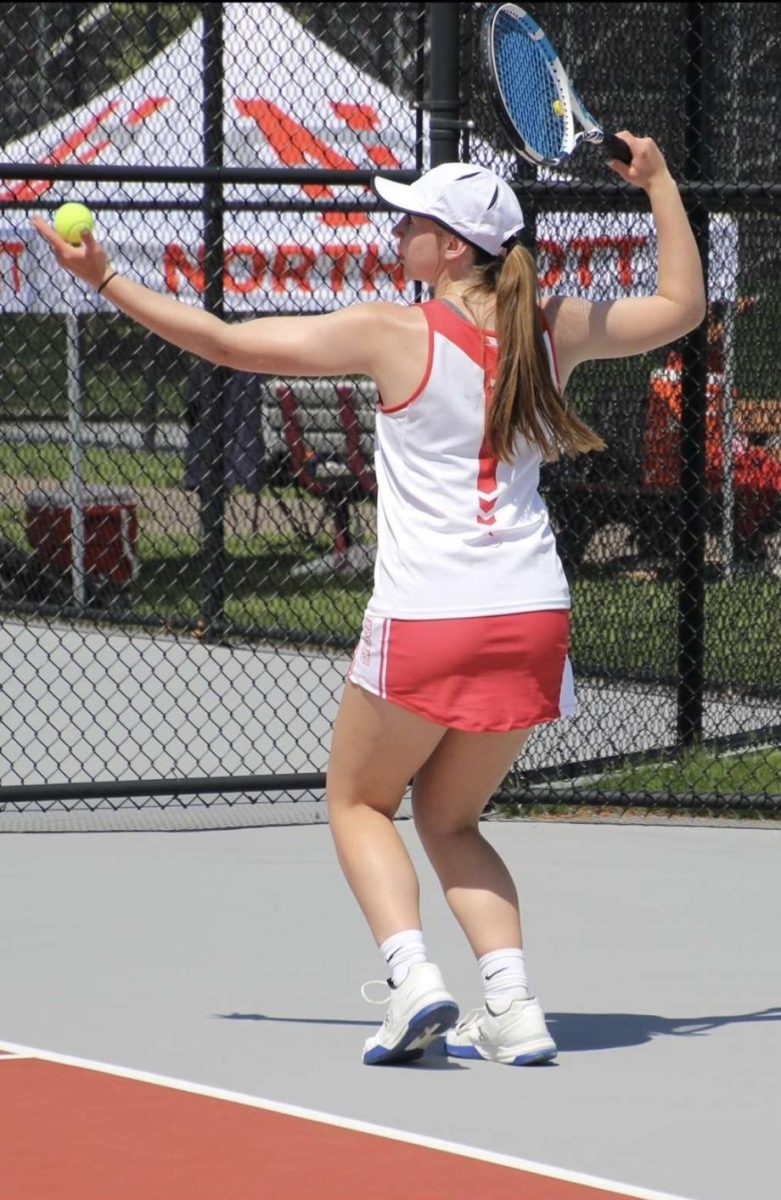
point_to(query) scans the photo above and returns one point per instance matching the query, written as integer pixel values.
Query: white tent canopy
(289, 100)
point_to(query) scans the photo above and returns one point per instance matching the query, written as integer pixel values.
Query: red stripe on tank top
(488, 463)
(457, 329)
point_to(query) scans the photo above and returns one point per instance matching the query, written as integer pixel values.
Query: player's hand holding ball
(74, 244)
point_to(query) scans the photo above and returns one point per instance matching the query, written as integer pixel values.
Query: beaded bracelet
(107, 280)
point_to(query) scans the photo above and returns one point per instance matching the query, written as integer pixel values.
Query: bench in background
(321, 433)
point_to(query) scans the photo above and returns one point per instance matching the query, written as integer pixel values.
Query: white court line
(307, 1114)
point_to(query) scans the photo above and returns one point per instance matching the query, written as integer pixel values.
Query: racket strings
(529, 89)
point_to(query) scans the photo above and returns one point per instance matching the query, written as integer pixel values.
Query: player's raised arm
(633, 325)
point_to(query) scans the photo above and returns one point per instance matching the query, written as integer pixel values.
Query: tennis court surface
(181, 1017)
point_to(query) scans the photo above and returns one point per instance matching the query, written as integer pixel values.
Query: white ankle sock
(401, 951)
(504, 978)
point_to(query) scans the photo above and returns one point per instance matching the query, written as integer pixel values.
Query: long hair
(525, 403)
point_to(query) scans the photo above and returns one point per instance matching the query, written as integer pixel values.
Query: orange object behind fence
(756, 472)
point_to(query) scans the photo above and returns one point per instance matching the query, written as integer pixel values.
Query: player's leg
(376, 749)
(450, 792)
(449, 795)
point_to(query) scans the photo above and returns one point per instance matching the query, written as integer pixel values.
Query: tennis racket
(532, 93)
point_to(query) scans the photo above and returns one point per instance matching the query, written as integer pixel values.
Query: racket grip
(616, 147)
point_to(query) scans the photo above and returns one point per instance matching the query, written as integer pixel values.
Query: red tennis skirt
(479, 674)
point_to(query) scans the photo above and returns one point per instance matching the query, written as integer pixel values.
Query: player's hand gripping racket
(532, 94)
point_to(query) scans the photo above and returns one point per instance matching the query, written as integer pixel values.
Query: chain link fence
(186, 552)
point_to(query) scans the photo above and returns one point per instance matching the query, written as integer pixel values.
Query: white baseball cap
(468, 200)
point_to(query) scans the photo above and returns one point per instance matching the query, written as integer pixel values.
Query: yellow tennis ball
(71, 220)
(558, 107)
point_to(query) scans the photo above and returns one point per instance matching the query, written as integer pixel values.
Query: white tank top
(459, 533)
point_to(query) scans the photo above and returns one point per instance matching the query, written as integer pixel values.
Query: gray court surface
(234, 959)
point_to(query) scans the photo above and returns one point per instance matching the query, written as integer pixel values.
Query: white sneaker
(419, 1010)
(517, 1037)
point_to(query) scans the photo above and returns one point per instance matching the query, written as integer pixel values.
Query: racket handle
(617, 148)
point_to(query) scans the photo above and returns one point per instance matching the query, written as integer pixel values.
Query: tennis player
(464, 644)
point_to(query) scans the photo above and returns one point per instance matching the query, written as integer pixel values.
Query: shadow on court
(434, 1059)
(580, 1031)
(611, 1031)
(237, 1016)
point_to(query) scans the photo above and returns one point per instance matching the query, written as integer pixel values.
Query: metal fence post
(75, 388)
(693, 495)
(212, 491)
(443, 103)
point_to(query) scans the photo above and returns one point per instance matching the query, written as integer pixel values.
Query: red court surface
(74, 1130)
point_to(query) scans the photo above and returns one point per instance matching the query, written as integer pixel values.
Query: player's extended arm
(340, 343)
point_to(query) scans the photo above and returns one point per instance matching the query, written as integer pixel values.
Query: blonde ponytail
(525, 400)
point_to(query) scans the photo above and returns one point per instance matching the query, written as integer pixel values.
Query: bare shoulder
(567, 318)
(395, 329)
(400, 351)
(385, 313)
(396, 316)
(382, 322)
